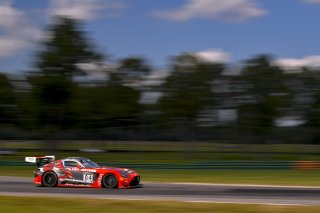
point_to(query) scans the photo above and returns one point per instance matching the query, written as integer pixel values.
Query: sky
(229, 31)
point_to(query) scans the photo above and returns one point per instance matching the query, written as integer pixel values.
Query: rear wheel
(50, 179)
(110, 181)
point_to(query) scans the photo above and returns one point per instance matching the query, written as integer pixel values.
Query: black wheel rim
(111, 181)
(50, 179)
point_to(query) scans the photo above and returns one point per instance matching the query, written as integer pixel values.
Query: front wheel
(50, 179)
(110, 181)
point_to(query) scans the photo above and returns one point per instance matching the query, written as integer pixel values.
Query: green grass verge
(162, 146)
(269, 177)
(170, 152)
(168, 157)
(68, 205)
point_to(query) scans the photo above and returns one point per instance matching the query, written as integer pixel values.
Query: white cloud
(9, 46)
(213, 55)
(83, 9)
(297, 63)
(17, 31)
(227, 10)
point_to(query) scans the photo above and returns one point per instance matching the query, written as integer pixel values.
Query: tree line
(197, 100)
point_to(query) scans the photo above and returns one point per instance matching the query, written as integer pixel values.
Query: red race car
(81, 172)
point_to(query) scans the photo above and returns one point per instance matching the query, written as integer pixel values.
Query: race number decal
(88, 177)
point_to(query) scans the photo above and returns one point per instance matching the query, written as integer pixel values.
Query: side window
(70, 164)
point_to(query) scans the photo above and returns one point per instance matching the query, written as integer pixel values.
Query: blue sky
(216, 30)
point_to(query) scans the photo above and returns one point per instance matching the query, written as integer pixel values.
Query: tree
(187, 90)
(114, 103)
(307, 102)
(132, 69)
(268, 91)
(8, 108)
(65, 48)
(56, 64)
(104, 106)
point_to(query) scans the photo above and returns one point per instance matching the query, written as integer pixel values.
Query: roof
(75, 158)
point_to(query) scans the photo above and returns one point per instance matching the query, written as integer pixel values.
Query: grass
(268, 177)
(176, 157)
(68, 205)
(169, 152)
(187, 153)
(163, 146)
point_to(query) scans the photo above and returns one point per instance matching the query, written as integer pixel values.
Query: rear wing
(40, 160)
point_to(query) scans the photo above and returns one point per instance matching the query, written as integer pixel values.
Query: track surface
(173, 191)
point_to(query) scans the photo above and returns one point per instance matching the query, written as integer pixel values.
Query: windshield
(87, 163)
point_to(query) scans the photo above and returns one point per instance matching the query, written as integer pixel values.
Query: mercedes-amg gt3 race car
(80, 172)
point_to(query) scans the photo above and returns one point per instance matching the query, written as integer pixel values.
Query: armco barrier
(306, 165)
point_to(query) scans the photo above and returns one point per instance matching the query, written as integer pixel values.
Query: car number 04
(88, 177)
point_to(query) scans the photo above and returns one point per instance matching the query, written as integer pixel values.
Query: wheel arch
(109, 173)
(51, 171)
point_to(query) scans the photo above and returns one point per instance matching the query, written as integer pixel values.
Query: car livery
(81, 172)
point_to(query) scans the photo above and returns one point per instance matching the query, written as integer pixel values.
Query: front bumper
(131, 182)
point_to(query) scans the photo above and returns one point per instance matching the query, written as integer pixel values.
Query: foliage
(56, 64)
(187, 90)
(269, 94)
(106, 106)
(194, 97)
(8, 108)
(133, 69)
(65, 47)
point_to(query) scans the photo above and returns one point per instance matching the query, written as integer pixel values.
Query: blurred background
(72, 96)
(200, 91)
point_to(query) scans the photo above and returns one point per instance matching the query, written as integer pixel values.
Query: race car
(80, 172)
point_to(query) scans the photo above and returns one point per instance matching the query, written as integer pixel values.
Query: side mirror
(79, 166)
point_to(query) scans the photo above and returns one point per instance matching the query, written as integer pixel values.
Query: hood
(119, 169)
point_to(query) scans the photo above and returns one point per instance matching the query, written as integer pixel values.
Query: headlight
(124, 174)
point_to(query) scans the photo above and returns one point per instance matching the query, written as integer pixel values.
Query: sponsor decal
(73, 169)
(89, 170)
(31, 159)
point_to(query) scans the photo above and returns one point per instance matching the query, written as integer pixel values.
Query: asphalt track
(219, 193)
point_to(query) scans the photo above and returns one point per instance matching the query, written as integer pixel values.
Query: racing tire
(50, 179)
(110, 181)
